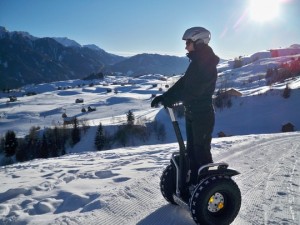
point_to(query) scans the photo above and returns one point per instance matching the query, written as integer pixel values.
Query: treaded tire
(168, 183)
(224, 213)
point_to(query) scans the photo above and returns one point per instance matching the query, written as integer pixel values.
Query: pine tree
(100, 139)
(286, 92)
(44, 150)
(22, 152)
(2, 141)
(11, 143)
(32, 141)
(56, 142)
(130, 118)
(237, 62)
(75, 132)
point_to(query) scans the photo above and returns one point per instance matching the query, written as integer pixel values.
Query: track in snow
(269, 182)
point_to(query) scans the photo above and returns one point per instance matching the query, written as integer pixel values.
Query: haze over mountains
(25, 59)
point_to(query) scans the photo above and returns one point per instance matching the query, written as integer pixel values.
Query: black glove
(158, 99)
(167, 103)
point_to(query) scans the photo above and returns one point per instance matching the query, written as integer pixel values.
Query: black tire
(216, 200)
(168, 183)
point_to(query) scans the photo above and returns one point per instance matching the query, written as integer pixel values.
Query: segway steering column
(181, 164)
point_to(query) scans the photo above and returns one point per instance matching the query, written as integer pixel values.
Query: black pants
(199, 128)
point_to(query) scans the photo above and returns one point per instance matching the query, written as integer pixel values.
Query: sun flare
(264, 10)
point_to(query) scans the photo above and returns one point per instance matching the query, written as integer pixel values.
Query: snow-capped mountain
(26, 60)
(150, 63)
(67, 42)
(4, 32)
(30, 60)
(94, 47)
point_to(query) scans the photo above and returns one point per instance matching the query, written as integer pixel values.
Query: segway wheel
(216, 200)
(168, 183)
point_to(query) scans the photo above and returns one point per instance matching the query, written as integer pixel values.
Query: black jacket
(196, 87)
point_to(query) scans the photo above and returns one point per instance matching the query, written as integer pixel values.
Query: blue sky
(128, 27)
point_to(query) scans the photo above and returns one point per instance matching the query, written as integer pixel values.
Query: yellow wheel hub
(215, 202)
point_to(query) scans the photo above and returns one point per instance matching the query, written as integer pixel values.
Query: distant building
(288, 127)
(69, 120)
(234, 92)
(284, 52)
(12, 98)
(274, 53)
(231, 93)
(91, 109)
(79, 100)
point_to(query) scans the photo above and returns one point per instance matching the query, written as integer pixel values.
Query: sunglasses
(188, 42)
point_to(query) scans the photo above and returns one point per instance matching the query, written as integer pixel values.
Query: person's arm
(174, 94)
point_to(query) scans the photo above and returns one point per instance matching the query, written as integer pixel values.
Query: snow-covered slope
(67, 42)
(261, 109)
(122, 186)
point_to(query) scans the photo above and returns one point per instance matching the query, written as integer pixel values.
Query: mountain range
(25, 59)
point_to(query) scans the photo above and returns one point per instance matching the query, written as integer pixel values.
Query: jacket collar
(192, 55)
(203, 56)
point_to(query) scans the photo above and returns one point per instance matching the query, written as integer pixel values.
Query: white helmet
(197, 35)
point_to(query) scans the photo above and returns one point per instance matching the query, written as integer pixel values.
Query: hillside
(121, 186)
(258, 100)
(150, 63)
(25, 59)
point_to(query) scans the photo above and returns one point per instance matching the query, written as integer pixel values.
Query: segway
(215, 199)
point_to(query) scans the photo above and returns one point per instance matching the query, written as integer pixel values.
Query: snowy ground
(122, 186)
(261, 109)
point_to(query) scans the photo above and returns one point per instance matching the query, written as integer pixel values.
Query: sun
(264, 10)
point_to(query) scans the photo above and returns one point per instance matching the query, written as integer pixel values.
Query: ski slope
(121, 186)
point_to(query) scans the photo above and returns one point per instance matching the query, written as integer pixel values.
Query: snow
(121, 186)
(66, 42)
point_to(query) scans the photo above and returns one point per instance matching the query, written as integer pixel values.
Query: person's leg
(202, 128)
(192, 164)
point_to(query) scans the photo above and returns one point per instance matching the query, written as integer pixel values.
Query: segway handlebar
(176, 128)
(171, 113)
(181, 165)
